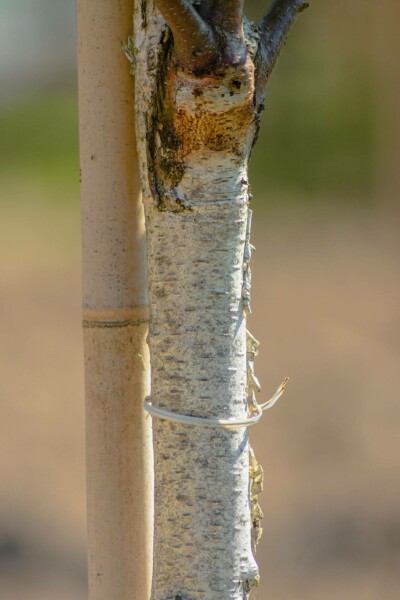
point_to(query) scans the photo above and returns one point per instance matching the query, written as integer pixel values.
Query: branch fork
(209, 33)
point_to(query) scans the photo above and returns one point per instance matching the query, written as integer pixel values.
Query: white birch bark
(195, 134)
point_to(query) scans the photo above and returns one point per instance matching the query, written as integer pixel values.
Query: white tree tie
(154, 411)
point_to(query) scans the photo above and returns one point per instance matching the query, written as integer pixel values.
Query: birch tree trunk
(200, 88)
(115, 312)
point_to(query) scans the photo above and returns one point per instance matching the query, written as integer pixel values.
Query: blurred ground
(326, 289)
(326, 296)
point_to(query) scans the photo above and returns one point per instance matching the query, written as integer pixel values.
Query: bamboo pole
(115, 312)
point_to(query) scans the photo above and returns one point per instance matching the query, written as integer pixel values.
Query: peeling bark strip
(200, 83)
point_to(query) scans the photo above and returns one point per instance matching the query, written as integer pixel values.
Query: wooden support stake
(115, 313)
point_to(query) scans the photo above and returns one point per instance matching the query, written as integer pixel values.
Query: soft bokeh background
(325, 306)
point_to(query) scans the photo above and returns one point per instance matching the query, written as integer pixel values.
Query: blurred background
(325, 181)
